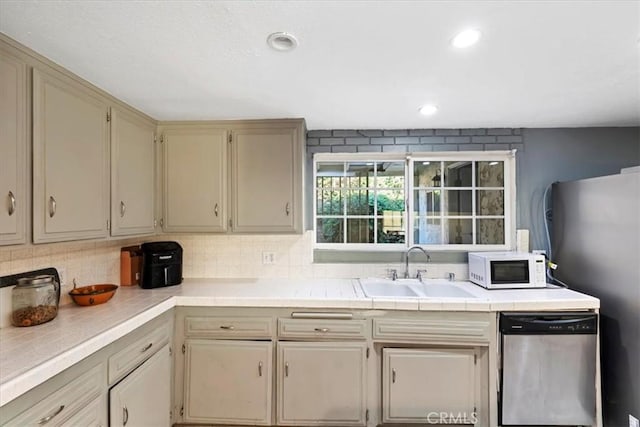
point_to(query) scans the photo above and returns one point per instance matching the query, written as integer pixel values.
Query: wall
(543, 156)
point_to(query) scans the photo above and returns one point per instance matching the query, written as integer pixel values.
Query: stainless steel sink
(411, 288)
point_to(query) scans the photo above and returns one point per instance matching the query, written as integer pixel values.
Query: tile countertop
(30, 356)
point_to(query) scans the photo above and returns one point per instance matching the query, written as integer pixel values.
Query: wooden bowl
(93, 295)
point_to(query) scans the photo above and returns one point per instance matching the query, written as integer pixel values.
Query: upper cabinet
(132, 174)
(195, 179)
(266, 179)
(13, 149)
(241, 177)
(70, 160)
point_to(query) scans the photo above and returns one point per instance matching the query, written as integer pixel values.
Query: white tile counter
(30, 356)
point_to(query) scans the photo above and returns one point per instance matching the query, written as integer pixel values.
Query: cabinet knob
(12, 203)
(286, 369)
(287, 209)
(393, 375)
(52, 206)
(321, 329)
(123, 209)
(215, 209)
(260, 369)
(45, 420)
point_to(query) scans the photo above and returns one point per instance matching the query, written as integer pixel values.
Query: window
(459, 201)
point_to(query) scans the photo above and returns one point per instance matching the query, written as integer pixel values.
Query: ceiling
(359, 64)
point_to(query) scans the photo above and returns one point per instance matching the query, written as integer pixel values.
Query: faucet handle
(393, 273)
(420, 273)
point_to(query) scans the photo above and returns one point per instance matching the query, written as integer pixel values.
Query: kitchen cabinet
(228, 382)
(243, 177)
(195, 180)
(79, 395)
(266, 183)
(143, 398)
(70, 160)
(132, 174)
(420, 385)
(13, 150)
(322, 383)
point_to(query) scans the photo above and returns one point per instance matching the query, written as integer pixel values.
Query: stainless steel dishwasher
(548, 369)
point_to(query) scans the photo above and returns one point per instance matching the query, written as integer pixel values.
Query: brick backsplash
(413, 140)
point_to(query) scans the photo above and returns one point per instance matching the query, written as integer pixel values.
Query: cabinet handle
(393, 375)
(227, 327)
(125, 416)
(260, 369)
(52, 206)
(287, 209)
(286, 369)
(148, 346)
(50, 417)
(321, 329)
(215, 209)
(12, 203)
(123, 209)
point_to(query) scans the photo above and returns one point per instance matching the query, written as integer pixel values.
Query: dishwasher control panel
(549, 323)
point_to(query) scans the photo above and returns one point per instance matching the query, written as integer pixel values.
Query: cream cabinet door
(228, 382)
(132, 174)
(13, 146)
(70, 161)
(195, 182)
(435, 386)
(266, 180)
(143, 398)
(321, 383)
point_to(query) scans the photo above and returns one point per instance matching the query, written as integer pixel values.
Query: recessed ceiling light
(282, 41)
(466, 38)
(428, 109)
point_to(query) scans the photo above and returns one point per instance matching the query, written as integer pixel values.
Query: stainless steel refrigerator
(596, 244)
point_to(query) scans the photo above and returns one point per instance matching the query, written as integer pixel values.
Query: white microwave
(507, 270)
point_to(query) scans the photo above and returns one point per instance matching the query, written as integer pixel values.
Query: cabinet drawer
(228, 327)
(65, 402)
(469, 329)
(92, 415)
(121, 363)
(322, 328)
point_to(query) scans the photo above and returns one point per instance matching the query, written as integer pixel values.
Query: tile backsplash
(205, 255)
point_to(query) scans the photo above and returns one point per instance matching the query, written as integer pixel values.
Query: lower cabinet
(143, 397)
(429, 385)
(79, 400)
(228, 382)
(322, 383)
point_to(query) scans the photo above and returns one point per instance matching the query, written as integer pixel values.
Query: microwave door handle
(166, 275)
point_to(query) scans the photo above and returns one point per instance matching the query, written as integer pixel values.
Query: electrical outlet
(268, 258)
(62, 273)
(633, 421)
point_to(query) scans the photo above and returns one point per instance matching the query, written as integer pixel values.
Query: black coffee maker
(161, 264)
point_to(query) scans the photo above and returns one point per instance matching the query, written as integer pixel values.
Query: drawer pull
(125, 416)
(393, 375)
(50, 417)
(227, 327)
(260, 369)
(324, 330)
(147, 347)
(286, 369)
(52, 206)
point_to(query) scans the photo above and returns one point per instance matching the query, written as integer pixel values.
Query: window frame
(506, 156)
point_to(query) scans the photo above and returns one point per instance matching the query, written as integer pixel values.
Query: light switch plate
(268, 258)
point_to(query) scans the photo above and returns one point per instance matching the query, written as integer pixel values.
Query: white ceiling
(360, 64)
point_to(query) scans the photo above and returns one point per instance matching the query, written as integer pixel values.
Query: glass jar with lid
(35, 300)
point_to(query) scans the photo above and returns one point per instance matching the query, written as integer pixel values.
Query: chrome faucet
(406, 259)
